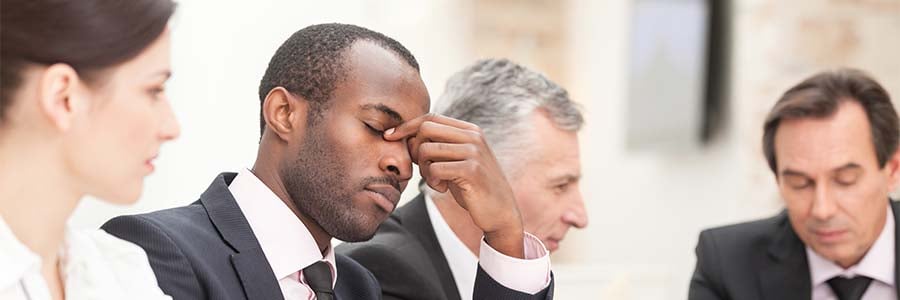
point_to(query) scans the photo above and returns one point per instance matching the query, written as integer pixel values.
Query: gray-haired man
(428, 249)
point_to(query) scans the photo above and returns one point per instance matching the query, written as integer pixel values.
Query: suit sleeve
(173, 270)
(503, 277)
(488, 288)
(398, 277)
(706, 282)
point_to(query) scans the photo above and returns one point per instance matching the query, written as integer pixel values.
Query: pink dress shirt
(287, 244)
(878, 264)
(518, 274)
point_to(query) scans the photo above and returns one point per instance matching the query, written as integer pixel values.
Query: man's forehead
(385, 81)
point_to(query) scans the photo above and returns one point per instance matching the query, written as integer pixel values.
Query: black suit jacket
(206, 250)
(758, 260)
(407, 259)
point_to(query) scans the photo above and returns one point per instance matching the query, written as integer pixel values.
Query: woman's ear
(285, 113)
(57, 95)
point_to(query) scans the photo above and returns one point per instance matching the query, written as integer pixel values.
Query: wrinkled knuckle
(475, 136)
(470, 150)
(471, 167)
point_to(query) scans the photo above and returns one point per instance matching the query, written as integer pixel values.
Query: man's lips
(387, 196)
(552, 244)
(553, 241)
(828, 236)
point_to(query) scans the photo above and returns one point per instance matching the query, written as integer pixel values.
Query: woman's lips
(149, 164)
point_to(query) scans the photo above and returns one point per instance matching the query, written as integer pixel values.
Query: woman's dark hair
(89, 35)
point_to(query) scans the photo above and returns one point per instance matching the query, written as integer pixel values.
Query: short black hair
(311, 62)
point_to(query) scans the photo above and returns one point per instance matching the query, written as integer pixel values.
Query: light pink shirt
(287, 244)
(878, 264)
(272, 221)
(529, 275)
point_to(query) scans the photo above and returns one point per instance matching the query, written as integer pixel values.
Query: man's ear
(285, 113)
(892, 168)
(58, 97)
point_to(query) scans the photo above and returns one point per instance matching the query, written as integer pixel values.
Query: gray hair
(500, 96)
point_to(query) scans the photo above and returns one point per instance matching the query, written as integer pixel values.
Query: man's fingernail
(389, 131)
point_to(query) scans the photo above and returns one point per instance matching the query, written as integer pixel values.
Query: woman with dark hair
(82, 112)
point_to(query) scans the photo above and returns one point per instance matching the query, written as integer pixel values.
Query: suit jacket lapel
(256, 275)
(785, 273)
(249, 262)
(414, 217)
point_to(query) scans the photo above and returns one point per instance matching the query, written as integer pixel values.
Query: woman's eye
(156, 92)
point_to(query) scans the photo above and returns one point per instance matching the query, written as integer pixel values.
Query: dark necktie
(849, 288)
(318, 277)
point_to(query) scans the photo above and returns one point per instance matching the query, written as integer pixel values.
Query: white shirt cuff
(530, 275)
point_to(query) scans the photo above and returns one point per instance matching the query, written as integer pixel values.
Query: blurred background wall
(646, 206)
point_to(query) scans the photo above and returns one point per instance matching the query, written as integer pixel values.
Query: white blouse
(95, 265)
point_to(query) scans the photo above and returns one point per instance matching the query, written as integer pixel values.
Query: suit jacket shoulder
(355, 280)
(762, 259)
(172, 264)
(207, 250)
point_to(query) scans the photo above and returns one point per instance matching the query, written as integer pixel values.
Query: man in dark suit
(831, 142)
(429, 248)
(343, 117)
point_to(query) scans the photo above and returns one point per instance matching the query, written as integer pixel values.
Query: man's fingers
(439, 132)
(438, 185)
(437, 152)
(432, 182)
(412, 127)
(452, 171)
(436, 132)
(413, 144)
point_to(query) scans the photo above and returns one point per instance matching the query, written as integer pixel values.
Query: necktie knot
(318, 277)
(849, 288)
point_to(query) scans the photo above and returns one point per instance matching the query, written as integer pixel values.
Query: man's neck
(459, 221)
(270, 177)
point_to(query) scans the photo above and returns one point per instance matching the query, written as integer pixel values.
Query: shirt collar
(878, 263)
(15, 257)
(287, 243)
(463, 263)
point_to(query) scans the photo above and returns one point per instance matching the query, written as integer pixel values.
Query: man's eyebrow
(848, 166)
(789, 172)
(566, 178)
(384, 109)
